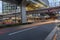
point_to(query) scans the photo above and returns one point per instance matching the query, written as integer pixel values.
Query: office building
(8, 8)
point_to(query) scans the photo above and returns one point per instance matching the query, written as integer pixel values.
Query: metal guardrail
(52, 34)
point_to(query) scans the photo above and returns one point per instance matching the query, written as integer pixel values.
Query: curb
(51, 35)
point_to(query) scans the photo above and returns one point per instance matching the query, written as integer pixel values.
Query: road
(39, 32)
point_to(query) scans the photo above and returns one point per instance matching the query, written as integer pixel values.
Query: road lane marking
(21, 31)
(26, 29)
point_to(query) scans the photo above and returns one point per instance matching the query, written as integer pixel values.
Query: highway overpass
(24, 3)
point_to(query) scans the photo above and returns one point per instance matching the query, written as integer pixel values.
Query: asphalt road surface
(34, 33)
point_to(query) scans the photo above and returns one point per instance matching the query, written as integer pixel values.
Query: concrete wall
(46, 2)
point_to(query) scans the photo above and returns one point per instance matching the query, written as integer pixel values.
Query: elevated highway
(23, 4)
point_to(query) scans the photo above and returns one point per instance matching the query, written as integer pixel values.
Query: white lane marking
(21, 31)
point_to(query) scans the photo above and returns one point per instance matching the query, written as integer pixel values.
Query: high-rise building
(8, 8)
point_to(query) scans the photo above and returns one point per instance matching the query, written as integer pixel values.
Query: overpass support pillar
(23, 10)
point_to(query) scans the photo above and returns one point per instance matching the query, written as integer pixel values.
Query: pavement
(58, 33)
(36, 31)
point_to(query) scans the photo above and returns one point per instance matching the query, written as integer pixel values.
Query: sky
(54, 3)
(0, 6)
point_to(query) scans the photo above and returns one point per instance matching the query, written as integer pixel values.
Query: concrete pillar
(23, 10)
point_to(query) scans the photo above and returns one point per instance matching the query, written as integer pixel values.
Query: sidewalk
(58, 33)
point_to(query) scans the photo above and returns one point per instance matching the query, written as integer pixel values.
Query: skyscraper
(8, 8)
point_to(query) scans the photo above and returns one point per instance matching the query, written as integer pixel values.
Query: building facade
(8, 8)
